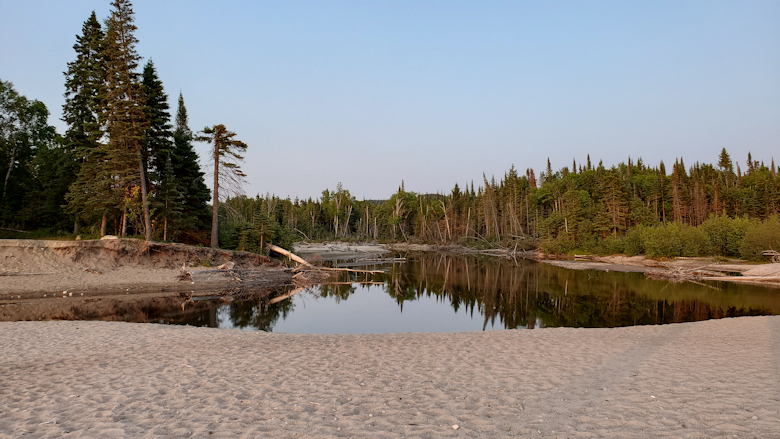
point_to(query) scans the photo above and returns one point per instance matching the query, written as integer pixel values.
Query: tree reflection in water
(524, 293)
(520, 294)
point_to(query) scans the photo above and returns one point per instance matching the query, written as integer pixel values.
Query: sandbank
(112, 379)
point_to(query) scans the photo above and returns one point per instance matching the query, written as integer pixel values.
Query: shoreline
(100, 379)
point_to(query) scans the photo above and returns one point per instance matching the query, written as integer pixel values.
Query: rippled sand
(102, 379)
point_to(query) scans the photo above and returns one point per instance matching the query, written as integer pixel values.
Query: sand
(111, 379)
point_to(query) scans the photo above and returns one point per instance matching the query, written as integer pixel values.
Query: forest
(126, 166)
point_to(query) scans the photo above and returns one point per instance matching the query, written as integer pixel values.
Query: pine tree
(158, 145)
(169, 199)
(195, 213)
(85, 91)
(125, 117)
(225, 157)
(83, 112)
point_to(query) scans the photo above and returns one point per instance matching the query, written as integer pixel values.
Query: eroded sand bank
(105, 379)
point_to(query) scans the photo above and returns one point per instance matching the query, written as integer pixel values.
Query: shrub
(674, 240)
(759, 237)
(634, 241)
(725, 234)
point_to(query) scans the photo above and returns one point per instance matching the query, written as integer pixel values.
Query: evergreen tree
(83, 112)
(84, 90)
(226, 169)
(169, 199)
(158, 134)
(196, 195)
(125, 117)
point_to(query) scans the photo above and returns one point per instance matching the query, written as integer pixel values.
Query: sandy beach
(109, 379)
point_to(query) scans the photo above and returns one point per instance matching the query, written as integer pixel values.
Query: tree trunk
(215, 201)
(124, 222)
(144, 198)
(103, 224)
(11, 162)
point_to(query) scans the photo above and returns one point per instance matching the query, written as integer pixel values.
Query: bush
(557, 246)
(674, 240)
(634, 241)
(725, 234)
(759, 237)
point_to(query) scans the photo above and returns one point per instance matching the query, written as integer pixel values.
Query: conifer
(184, 159)
(125, 117)
(226, 169)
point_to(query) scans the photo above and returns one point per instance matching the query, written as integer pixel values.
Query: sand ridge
(108, 379)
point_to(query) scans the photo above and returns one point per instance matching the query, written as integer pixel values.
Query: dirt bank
(38, 269)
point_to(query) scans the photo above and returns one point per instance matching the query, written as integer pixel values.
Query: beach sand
(111, 379)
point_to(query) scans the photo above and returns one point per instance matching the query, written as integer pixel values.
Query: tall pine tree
(226, 169)
(83, 112)
(158, 145)
(126, 119)
(195, 213)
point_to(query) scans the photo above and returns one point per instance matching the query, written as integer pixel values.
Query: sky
(438, 92)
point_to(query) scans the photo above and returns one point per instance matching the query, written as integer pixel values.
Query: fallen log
(308, 265)
(745, 278)
(289, 254)
(349, 270)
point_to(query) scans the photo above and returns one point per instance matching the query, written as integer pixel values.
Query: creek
(433, 292)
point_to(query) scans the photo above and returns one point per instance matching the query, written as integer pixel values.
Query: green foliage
(227, 171)
(674, 240)
(157, 138)
(760, 237)
(24, 132)
(725, 234)
(634, 241)
(195, 213)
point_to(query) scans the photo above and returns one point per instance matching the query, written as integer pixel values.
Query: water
(440, 293)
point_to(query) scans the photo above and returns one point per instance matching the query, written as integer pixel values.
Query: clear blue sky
(368, 93)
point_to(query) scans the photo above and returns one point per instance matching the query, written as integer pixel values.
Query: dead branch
(10, 273)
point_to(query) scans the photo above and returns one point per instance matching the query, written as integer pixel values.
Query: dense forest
(125, 166)
(629, 208)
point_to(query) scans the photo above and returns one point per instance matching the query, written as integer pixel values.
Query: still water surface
(441, 293)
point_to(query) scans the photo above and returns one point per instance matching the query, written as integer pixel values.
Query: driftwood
(289, 254)
(744, 278)
(680, 274)
(362, 262)
(308, 265)
(772, 254)
(10, 273)
(348, 270)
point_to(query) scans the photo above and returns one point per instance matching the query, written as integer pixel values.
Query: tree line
(628, 208)
(121, 166)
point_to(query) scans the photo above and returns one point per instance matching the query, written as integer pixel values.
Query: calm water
(440, 293)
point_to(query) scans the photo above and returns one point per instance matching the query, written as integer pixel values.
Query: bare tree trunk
(144, 197)
(11, 162)
(215, 201)
(124, 222)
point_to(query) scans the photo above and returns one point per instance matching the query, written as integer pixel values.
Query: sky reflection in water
(438, 293)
